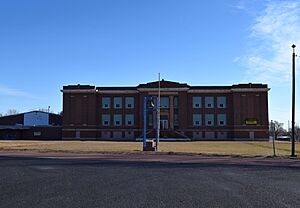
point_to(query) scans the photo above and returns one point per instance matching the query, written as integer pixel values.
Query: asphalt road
(36, 182)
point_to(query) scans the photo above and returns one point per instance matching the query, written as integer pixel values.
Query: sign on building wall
(251, 122)
(36, 119)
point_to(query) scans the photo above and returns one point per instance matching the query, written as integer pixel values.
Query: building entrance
(164, 122)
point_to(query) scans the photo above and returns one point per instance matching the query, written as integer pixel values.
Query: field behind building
(234, 148)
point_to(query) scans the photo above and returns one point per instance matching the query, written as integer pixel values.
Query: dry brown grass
(70, 146)
(203, 147)
(229, 148)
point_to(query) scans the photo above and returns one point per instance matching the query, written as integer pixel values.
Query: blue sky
(50, 43)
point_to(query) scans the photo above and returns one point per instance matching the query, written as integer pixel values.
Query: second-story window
(164, 102)
(196, 102)
(105, 102)
(129, 102)
(221, 102)
(209, 102)
(117, 102)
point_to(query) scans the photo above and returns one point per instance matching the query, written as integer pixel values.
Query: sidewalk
(163, 158)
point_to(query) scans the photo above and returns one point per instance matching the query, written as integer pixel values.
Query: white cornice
(79, 91)
(250, 89)
(163, 89)
(118, 91)
(209, 91)
(229, 90)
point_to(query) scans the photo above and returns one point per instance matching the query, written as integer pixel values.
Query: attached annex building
(33, 125)
(237, 112)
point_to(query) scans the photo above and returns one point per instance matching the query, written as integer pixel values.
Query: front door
(164, 124)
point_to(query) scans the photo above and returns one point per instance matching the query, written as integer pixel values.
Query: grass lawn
(203, 147)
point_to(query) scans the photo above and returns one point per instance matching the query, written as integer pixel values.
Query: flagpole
(158, 113)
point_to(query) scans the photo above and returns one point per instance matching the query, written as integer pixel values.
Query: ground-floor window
(105, 135)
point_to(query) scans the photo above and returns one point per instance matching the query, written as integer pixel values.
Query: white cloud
(241, 5)
(7, 91)
(268, 58)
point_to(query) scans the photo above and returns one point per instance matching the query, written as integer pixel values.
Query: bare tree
(278, 129)
(297, 132)
(11, 112)
(45, 110)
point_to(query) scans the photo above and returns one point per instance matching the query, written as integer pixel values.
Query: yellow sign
(251, 122)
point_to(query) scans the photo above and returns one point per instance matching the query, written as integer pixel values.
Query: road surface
(147, 181)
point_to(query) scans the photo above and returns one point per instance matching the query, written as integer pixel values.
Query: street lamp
(293, 102)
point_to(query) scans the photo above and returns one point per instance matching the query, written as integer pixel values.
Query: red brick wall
(84, 111)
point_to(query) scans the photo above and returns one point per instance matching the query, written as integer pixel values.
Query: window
(221, 119)
(105, 102)
(221, 102)
(150, 118)
(197, 119)
(106, 134)
(164, 102)
(129, 119)
(129, 134)
(118, 120)
(197, 135)
(209, 102)
(209, 119)
(176, 123)
(222, 135)
(105, 119)
(196, 102)
(176, 102)
(129, 102)
(117, 102)
(37, 133)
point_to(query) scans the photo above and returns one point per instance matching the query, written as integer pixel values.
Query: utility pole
(293, 102)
